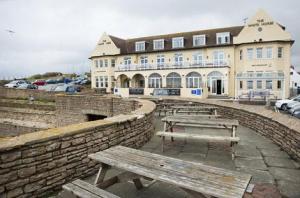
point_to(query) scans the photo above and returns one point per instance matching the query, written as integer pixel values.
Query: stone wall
(37, 164)
(282, 129)
(74, 109)
(25, 93)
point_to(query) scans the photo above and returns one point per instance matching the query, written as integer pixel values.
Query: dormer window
(177, 42)
(140, 46)
(158, 44)
(199, 40)
(223, 38)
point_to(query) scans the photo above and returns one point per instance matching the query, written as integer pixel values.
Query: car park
(51, 81)
(39, 82)
(15, 83)
(67, 88)
(297, 114)
(283, 104)
(294, 108)
(26, 86)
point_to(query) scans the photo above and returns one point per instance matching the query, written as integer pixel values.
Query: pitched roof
(128, 46)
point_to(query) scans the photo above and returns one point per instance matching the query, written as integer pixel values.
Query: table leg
(138, 184)
(171, 130)
(195, 194)
(101, 173)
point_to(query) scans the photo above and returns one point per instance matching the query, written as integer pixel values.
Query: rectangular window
(106, 81)
(97, 81)
(268, 84)
(280, 52)
(269, 52)
(140, 46)
(250, 84)
(100, 63)
(198, 59)
(144, 61)
(259, 53)
(96, 63)
(241, 54)
(101, 81)
(113, 62)
(158, 44)
(250, 53)
(177, 42)
(259, 84)
(279, 84)
(219, 58)
(160, 60)
(199, 40)
(223, 38)
(105, 63)
(241, 84)
(127, 61)
(178, 59)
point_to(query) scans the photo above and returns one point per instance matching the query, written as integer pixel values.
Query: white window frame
(195, 37)
(267, 83)
(100, 63)
(241, 54)
(178, 42)
(127, 61)
(223, 36)
(259, 87)
(178, 59)
(105, 62)
(159, 44)
(97, 81)
(269, 52)
(96, 62)
(140, 46)
(250, 52)
(197, 60)
(259, 56)
(250, 84)
(160, 60)
(280, 52)
(113, 62)
(144, 61)
(219, 57)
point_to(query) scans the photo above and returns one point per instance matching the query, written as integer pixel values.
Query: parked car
(39, 82)
(282, 104)
(297, 114)
(294, 108)
(27, 86)
(51, 81)
(67, 88)
(15, 83)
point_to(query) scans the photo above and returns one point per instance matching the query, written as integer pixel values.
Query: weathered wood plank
(193, 176)
(201, 121)
(198, 137)
(86, 190)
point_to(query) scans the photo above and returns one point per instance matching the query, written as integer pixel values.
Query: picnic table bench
(166, 107)
(200, 122)
(196, 179)
(82, 189)
(195, 109)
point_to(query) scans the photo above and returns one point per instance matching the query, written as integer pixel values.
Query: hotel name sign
(261, 22)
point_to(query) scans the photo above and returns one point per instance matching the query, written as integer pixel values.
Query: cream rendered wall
(270, 30)
(104, 48)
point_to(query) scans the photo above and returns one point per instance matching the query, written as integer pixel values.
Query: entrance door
(219, 87)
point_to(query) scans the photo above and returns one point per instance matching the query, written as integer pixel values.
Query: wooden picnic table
(194, 178)
(200, 121)
(195, 109)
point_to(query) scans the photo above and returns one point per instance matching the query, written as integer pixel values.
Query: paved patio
(255, 155)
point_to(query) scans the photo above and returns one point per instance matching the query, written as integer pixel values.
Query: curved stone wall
(284, 130)
(37, 164)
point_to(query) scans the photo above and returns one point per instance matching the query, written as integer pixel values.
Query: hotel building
(232, 61)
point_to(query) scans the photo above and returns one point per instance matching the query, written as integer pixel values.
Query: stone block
(280, 162)
(14, 193)
(34, 186)
(53, 146)
(25, 172)
(10, 156)
(33, 152)
(16, 183)
(10, 176)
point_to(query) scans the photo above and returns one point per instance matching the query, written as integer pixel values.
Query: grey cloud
(55, 35)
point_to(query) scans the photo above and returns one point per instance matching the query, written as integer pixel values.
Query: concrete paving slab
(289, 189)
(292, 175)
(274, 153)
(258, 176)
(279, 162)
(195, 157)
(248, 152)
(257, 164)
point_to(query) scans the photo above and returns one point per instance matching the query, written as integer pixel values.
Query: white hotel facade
(233, 61)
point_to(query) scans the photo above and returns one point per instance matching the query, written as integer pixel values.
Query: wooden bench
(79, 188)
(232, 140)
(200, 122)
(194, 109)
(197, 179)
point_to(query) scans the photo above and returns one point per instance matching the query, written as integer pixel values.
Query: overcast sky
(59, 35)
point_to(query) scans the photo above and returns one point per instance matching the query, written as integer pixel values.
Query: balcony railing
(183, 65)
